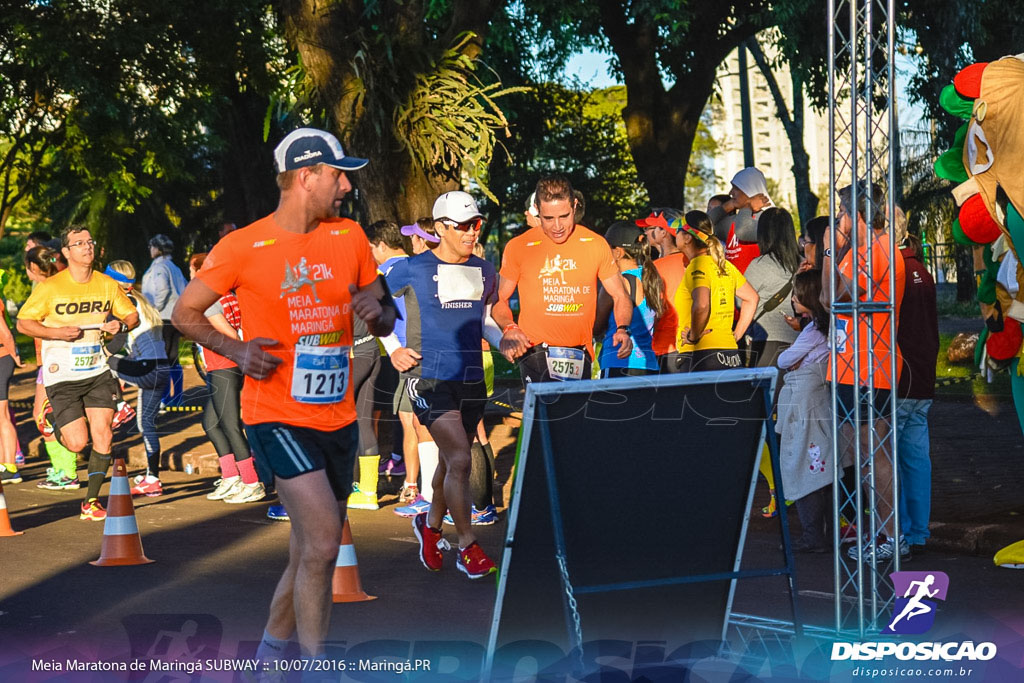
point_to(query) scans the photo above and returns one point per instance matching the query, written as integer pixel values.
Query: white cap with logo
(456, 206)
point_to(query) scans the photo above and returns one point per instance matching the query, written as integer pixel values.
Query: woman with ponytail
(707, 297)
(147, 367)
(632, 255)
(42, 262)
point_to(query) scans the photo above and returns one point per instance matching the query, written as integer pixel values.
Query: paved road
(216, 566)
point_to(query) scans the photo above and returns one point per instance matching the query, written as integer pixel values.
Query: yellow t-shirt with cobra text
(60, 301)
(703, 272)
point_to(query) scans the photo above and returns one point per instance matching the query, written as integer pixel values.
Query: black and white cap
(456, 206)
(309, 147)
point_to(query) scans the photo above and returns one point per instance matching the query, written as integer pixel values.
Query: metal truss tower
(864, 132)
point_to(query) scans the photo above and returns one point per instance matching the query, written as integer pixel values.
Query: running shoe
(418, 506)
(246, 493)
(360, 500)
(224, 487)
(124, 414)
(408, 494)
(485, 517)
(278, 513)
(56, 480)
(431, 543)
(392, 468)
(883, 552)
(147, 486)
(44, 420)
(8, 477)
(474, 563)
(93, 511)
(847, 532)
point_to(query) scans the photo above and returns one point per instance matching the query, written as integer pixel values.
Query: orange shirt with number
(874, 327)
(293, 288)
(558, 284)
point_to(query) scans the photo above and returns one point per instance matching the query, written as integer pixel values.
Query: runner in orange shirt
(671, 266)
(299, 411)
(557, 268)
(874, 340)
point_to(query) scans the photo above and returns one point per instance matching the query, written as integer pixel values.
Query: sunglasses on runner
(473, 224)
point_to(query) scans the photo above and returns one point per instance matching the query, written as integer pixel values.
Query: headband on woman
(680, 224)
(110, 272)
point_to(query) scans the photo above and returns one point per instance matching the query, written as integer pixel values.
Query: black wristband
(624, 328)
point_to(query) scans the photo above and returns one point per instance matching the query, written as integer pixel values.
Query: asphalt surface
(215, 566)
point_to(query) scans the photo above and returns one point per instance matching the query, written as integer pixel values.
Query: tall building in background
(771, 145)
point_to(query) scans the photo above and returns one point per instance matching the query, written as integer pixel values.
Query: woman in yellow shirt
(706, 299)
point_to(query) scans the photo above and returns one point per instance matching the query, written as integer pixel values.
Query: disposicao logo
(913, 613)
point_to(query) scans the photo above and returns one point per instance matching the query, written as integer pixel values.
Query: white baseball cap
(456, 206)
(311, 146)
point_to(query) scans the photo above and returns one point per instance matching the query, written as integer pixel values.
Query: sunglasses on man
(473, 224)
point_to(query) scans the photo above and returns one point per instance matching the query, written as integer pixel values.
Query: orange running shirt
(294, 288)
(558, 284)
(671, 269)
(874, 327)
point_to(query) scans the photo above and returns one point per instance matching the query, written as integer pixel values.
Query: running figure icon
(295, 278)
(914, 606)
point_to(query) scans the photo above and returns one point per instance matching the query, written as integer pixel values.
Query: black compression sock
(99, 463)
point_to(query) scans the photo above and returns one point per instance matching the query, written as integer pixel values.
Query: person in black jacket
(918, 339)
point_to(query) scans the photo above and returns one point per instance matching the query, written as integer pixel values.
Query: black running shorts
(874, 406)
(6, 372)
(706, 360)
(70, 399)
(432, 398)
(286, 452)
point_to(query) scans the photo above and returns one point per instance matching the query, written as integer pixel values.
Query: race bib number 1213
(320, 374)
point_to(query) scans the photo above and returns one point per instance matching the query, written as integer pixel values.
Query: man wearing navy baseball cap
(301, 276)
(309, 147)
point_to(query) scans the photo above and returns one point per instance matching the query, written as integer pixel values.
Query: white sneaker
(224, 488)
(247, 493)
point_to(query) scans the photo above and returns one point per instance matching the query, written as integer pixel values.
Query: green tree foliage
(368, 64)
(123, 114)
(666, 52)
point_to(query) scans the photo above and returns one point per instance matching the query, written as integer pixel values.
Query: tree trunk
(249, 190)
(661, 124)
(793, 124)
(358, 90)
(966, 288)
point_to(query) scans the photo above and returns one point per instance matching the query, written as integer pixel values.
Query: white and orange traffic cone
(346, 586)
(5, 520)
(122, 544)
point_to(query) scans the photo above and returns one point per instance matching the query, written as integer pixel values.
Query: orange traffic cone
(5, 520)
(346, 586)
(122, 544)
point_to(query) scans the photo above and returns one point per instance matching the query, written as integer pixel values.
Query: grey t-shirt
(767, 277)
(744, 220)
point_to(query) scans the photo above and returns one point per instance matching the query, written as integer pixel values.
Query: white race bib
(565, 363)
(85, 356)
(320, 374)
(842, 335)
(459, 283)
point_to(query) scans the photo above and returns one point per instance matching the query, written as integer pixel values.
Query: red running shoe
(474, 563)
(431, 543)
(147, 486)
(93, 511)
(125, 414)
